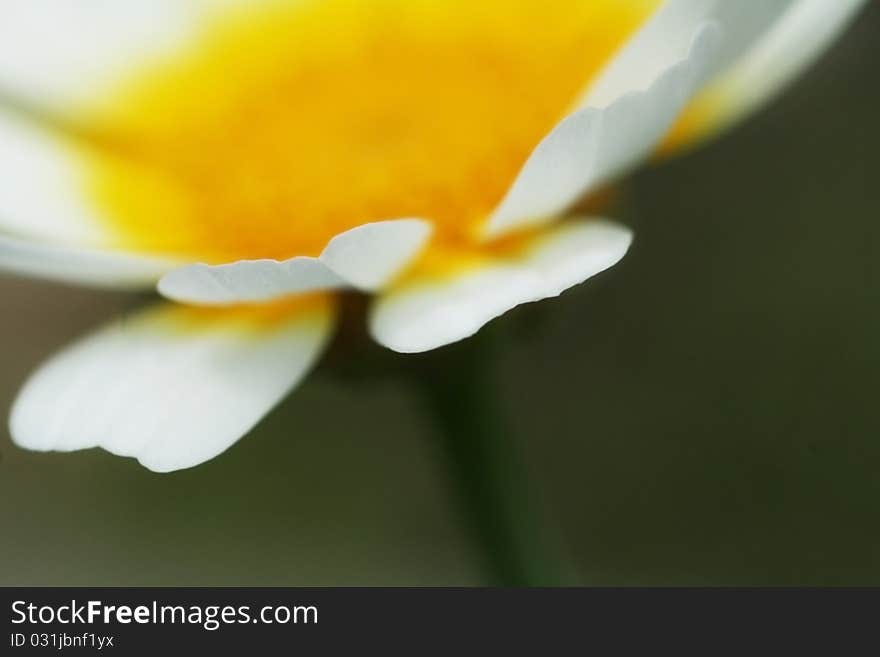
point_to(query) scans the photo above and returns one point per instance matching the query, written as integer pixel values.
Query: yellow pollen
(279, 127)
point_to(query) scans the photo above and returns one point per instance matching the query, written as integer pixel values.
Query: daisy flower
(250, 160)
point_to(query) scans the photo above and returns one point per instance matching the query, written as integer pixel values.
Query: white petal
(171, 386)
(429, 312)
(665, 36)
(41, 185)
(48, 228)
(594, 144)
(247, 281)
(632, 104)
(370, 255)
(80, 265)
(794, 42)
(366, 257)
(62, 54)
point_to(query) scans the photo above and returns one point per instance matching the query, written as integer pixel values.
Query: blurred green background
(705, 413)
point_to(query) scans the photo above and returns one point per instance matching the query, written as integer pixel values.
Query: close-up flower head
(208, 205)
(251, 161)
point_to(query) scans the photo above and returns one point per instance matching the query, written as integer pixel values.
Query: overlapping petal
(594, 144)
(171, 386)
(429, 310)
(744, 51)
(663, 39)
(761, 72)
(365, 258)
(629, 108)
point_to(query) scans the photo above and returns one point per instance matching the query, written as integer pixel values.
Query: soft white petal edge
(797, 39)
(665, 36)
(594, 144)
(365, 258)
(170, 394)
(82, 266)
(429, 313)
(61, 54)
(41, 185)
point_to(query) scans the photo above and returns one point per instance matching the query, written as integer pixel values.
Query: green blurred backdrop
(705, 413)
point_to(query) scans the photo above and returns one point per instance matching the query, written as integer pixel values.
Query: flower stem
(486, 466)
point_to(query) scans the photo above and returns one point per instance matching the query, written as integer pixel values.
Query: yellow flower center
(277, 128)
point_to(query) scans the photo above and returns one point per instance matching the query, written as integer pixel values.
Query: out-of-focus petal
(430, 309)
(80, 265)
(48, 226)
(171, 386)
(661, 41)
(61, 55)
(41, 175)
(366, 258)
(794, 42)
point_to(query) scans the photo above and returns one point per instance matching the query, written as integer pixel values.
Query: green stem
(486, 466)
